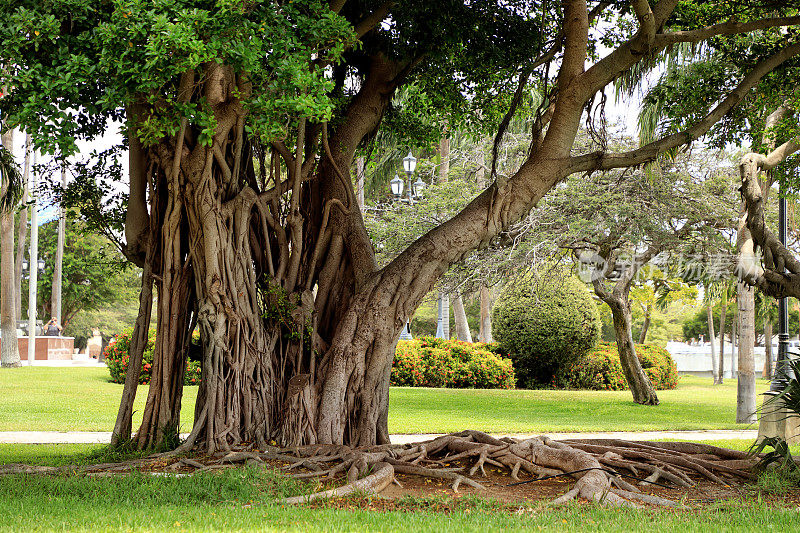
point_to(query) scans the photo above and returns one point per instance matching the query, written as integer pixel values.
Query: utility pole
(33, 266)
(55, 296)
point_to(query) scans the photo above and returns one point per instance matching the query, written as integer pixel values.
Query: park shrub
(600, 369)
(431, 362)
(545, 324)
(117, 355)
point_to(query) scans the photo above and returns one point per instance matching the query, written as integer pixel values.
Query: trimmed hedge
(545, 326)
(600, 369)
(431, 362)
(117, 355)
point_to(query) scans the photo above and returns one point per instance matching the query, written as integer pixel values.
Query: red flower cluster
(430, 362)
(117, 355)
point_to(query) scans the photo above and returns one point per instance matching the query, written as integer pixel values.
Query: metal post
(781, 378)
(439, 318)
(33, 267)
(405, 334)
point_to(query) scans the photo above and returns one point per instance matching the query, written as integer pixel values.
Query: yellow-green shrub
(600, 369)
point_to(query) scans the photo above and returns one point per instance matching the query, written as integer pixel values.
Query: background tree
(94, 272)
(616, 224)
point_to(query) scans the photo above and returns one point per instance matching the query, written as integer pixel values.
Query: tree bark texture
(642, 389)
(746, 377)
(646, 324)
(711, 338)
(723, 306)
(462, 326)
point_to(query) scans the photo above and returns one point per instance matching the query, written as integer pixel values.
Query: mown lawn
(69, 399)
(82, 399)
(245, 500)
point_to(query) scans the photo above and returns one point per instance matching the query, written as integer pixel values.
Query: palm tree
(10, 194)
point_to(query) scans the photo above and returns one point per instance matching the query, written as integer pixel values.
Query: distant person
(53, 328)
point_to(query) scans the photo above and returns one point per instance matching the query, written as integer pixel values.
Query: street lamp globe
(397, 186)
(409, 163)
(419, 186)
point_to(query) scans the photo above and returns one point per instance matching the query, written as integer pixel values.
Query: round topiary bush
(600, 369)
(545, 325)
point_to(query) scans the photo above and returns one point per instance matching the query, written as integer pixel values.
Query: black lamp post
(781, 377)
(413, 191)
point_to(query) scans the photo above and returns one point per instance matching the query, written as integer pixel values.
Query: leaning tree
(617, 223)
(242, 119)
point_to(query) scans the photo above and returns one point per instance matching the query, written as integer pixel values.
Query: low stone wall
(48, 348)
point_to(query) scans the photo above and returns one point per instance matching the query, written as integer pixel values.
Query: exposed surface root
(610, 472)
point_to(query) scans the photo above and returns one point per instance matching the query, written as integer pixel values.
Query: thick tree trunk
(640, 385)
(462, 326)
(486, 321)
(767, 374)
(746, 377)
(714, 360)
(9, 351)
(722, 315)
(646, 324)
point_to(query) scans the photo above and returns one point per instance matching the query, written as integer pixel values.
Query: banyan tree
(242, 120)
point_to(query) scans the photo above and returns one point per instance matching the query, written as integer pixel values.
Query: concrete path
(92, 437)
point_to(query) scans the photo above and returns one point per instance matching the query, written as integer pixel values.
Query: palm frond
(10, 181)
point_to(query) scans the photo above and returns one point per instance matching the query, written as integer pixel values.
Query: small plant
(778, 466)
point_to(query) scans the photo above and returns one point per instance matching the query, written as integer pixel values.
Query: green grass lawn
(83, 399)
(695, 404)
(69, 399)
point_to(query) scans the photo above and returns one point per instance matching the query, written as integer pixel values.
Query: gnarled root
(610, 472)
(373, 483)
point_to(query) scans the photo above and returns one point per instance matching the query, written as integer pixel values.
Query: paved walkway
(92, 437)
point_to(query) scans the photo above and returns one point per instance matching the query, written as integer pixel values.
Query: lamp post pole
(774, 421)
(780, 378)
(412, 189)
(33, 262)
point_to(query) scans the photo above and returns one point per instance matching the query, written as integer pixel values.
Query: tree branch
(649, 152)
(644, 38)
(373, 19)
(730, 27)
